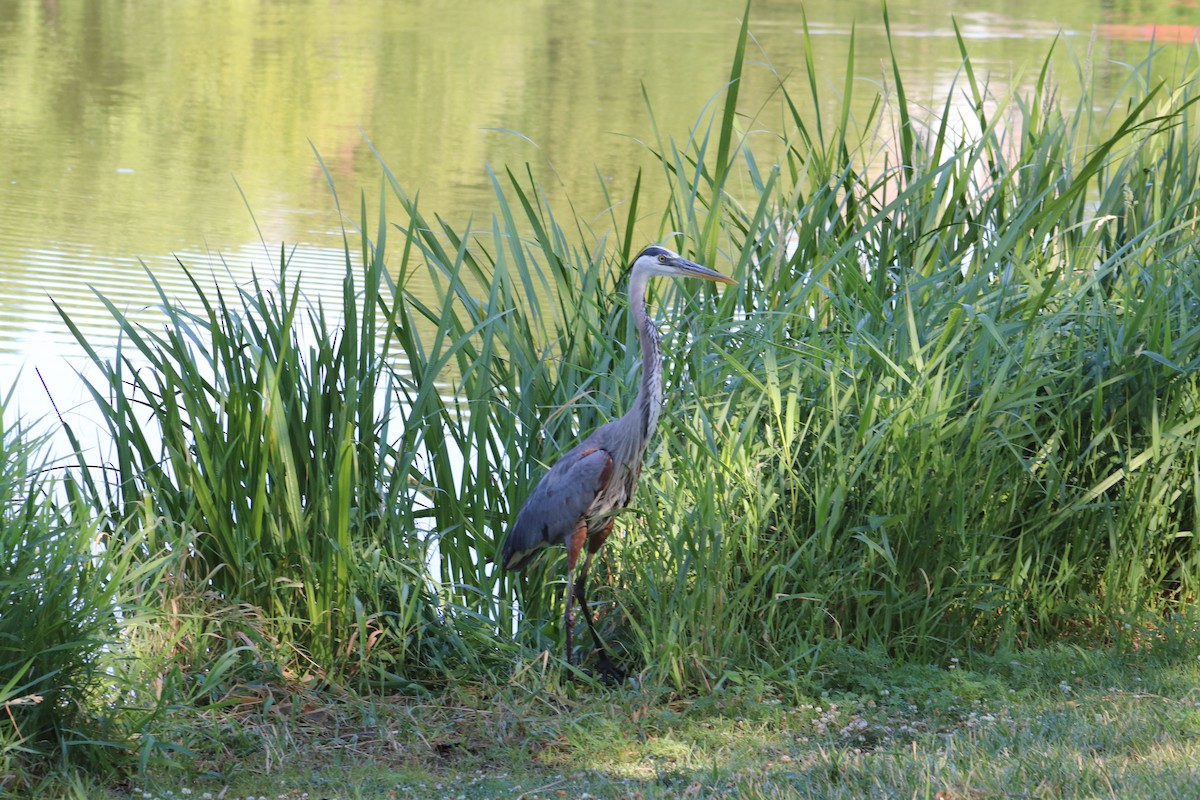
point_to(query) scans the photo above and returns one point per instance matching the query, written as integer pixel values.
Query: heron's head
(658, 260)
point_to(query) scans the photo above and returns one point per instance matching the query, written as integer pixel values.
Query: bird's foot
(608, 671)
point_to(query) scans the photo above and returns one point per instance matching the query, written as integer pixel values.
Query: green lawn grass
(1061, 721)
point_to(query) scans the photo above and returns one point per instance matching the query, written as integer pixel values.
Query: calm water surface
(127, 128)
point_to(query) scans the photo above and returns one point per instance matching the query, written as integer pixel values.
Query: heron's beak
(690, 269)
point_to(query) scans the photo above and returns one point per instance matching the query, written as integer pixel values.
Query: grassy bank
(1058, 722)
(948, 411)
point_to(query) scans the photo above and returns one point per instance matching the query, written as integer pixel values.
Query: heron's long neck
(649, 401)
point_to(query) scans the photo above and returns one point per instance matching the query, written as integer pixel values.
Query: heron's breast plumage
(613, 497)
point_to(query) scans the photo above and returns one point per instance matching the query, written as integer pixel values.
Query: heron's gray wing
(557, 504)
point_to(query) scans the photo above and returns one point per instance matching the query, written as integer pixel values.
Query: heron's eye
(662, 259)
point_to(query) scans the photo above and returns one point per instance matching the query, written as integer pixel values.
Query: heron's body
(574, 503)
(590, 483)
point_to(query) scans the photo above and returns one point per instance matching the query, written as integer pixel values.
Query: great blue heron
(574, 503)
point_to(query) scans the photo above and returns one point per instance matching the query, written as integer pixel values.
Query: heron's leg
(606, 668)
(574, 545)
(594, 543)
(581, 592)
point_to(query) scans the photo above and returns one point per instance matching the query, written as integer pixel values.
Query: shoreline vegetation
(920, 520)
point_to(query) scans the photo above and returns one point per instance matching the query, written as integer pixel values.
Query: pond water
(130, 131)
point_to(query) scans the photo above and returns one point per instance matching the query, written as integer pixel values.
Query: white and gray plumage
(575, 501)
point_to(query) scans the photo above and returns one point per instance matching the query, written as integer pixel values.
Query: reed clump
(951, 403)
(953, 406)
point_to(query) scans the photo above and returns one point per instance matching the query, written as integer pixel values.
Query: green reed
(62, 606)
(961, 413)
(949, 404)
(253, 433)
(954, 411)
